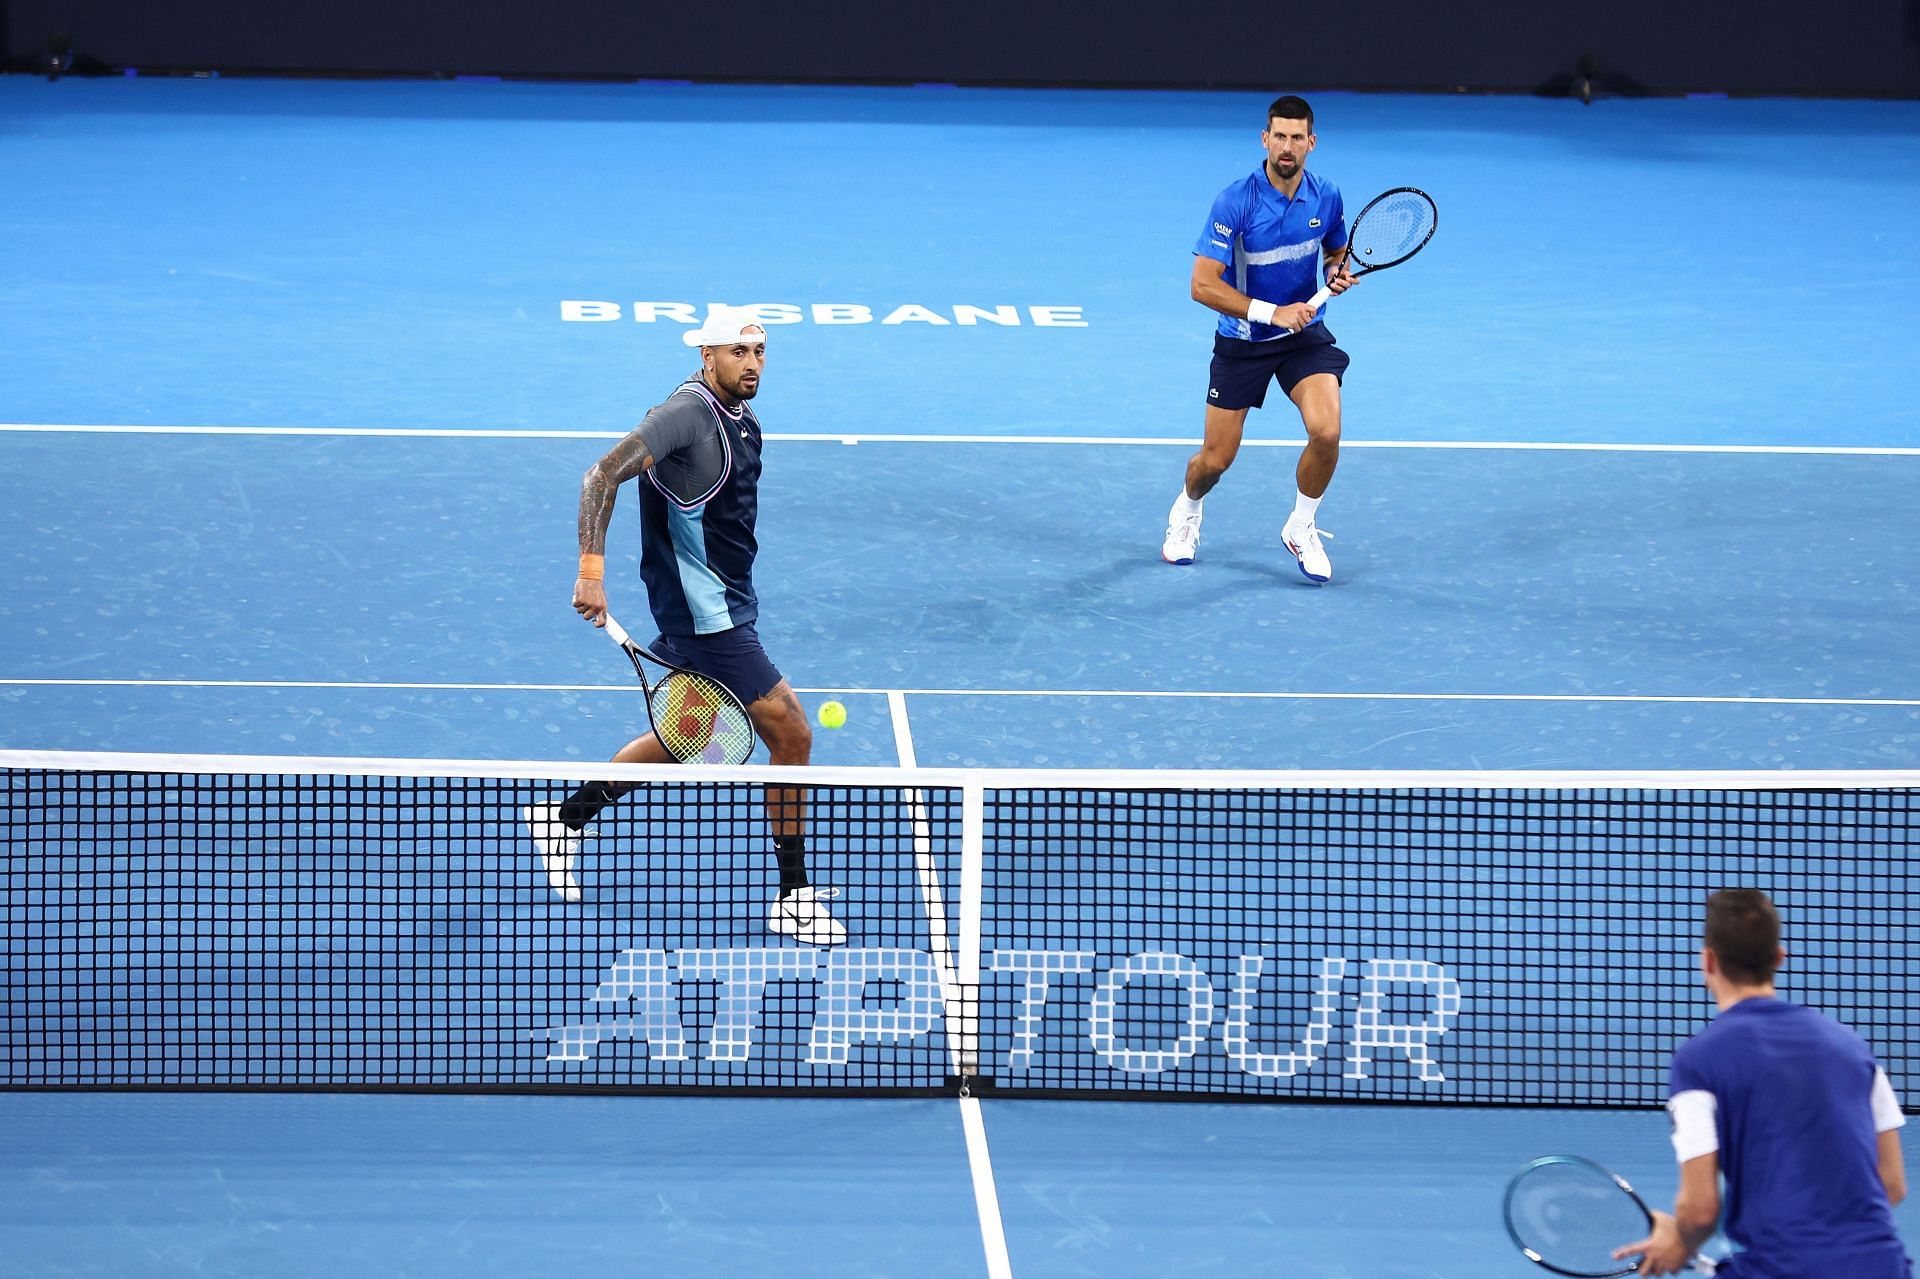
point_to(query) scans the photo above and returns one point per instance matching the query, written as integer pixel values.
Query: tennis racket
(1393, 227)
(1568, 1214)
(698, 719)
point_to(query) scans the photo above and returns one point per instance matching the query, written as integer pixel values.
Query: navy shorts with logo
(1242, 369)
(734, 657)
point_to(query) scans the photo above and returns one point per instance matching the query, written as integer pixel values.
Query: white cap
(725, 326)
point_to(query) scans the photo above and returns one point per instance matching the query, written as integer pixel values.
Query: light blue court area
(978, 270)
(403, 596)
(249, 252)
(319, 1185)
(162, 1185)
(299, 379)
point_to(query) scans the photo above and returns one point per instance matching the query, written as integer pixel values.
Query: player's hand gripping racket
(1393, 227)
(1569, 1214)
(697, 719)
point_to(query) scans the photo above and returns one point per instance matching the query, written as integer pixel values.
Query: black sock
(791, 852)
(585, 804)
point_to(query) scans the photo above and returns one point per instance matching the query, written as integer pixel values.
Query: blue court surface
(300, 379)
(326, 1185)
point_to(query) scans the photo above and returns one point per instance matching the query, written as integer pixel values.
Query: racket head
(696, 717)
(699, 720)
(1568, 1214)
(1393, 227)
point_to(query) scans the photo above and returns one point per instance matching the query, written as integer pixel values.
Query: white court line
(902, 732)
(932, 898)
(973, 908)
(986, 1197)
(407, 432)
(1175, 694)
(1103, 441)
(992, 1235)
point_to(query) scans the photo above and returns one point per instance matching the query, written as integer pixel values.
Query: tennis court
(301, 379)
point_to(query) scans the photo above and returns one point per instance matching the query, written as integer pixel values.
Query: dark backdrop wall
(1843, 47)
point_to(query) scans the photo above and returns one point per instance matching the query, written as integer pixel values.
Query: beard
(1284, 170)
(734, 390)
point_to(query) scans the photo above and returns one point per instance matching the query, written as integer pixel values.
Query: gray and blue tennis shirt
(1272, 245)
(698, 504)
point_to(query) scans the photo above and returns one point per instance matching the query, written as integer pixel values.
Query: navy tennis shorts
(733, 657)
(1242, 369)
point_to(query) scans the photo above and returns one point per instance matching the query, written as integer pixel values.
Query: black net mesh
(1388, 943)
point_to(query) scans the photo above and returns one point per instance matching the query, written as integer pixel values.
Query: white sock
(1184, 507)
(1303, 508)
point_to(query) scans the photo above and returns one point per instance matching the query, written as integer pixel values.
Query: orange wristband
(593, 567)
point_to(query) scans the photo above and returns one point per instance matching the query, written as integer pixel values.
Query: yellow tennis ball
(832, 714)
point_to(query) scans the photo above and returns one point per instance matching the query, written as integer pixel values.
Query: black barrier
(1851, 48)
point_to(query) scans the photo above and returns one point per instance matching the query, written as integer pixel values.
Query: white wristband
(1260, 312)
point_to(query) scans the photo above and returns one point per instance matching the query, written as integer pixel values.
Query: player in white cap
(697, 459)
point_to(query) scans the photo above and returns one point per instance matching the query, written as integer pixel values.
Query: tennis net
(1429, 938)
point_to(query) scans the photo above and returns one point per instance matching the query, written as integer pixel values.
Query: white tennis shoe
(559, 846)
(1303, 539)
(1183, 538)
(800, 915)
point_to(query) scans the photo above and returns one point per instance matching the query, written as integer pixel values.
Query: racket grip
(616, 632)
(1319, 299)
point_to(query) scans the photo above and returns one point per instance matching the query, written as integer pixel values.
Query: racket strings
(1392, 229)
(698, 721)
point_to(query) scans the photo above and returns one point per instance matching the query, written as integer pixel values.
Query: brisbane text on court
(962, 315)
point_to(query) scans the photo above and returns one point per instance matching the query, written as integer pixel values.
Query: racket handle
(1319, 299)
(616, 632)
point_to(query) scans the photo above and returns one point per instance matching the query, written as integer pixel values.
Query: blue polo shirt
(1272, 245)
(1793, 1112)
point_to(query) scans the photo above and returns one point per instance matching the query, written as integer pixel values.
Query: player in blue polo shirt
(1792, 1108)
(1257, 263)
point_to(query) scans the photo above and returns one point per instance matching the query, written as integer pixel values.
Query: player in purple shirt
(1791, 1107)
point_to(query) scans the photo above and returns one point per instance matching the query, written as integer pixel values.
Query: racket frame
(1526, 1249)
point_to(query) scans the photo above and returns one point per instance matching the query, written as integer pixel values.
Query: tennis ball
(832, 714)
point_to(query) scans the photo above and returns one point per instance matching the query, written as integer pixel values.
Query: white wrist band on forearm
(1260, 312)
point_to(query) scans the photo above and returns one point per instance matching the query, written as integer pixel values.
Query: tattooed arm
(597, 489)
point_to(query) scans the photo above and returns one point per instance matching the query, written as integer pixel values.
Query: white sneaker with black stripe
(801, 915)
(559, 846)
